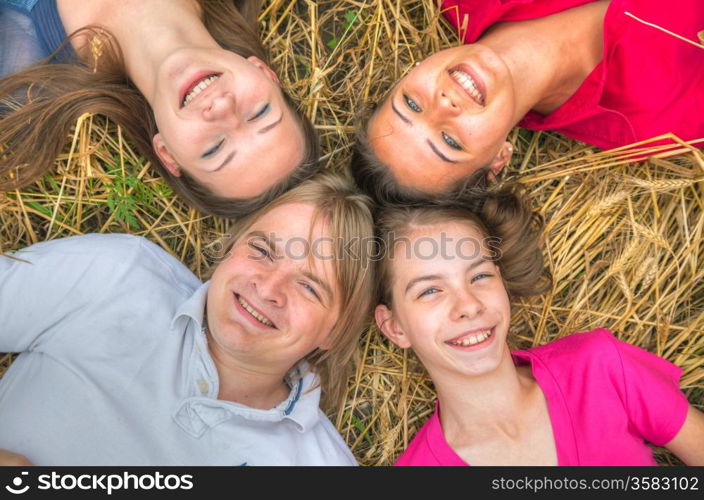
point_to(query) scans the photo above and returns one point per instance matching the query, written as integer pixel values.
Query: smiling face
(446, 118)
(452, 307)
(269, 304)
(224, 120)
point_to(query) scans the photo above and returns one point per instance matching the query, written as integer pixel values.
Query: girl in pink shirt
(446, 277)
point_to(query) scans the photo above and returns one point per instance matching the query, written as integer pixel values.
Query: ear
(501, 160)
(163, 153)
(264, 67)
(388, 326)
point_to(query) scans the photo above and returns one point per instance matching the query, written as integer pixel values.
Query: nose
(467, 306)
(221, 107)
(447, 102)
(270, 286)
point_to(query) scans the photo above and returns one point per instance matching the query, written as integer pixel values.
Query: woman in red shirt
(587, 69)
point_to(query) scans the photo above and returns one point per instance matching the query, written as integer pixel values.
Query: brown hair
(348, 213)
(503, 215)
(40, 105)
(375, 178)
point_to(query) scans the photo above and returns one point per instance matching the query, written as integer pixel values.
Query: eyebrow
(430, 277)
(405, 120)
(432, 146)
(264, 130)
(439, 153)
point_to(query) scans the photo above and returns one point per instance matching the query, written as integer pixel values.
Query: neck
(492, 402)
(146, 32)
(247, 383)
(547, 62)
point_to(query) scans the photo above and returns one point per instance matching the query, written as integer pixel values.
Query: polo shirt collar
(201, 410)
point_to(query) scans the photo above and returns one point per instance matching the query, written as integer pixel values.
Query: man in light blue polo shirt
(118, 365)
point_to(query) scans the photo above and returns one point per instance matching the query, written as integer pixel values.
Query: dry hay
(624, 239)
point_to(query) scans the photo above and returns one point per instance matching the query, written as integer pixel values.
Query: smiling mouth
(255, 314)
(198, 87)
(472, 339)
(469, 85)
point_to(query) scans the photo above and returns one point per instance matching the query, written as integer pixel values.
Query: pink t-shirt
(647, 84)
(605, 398)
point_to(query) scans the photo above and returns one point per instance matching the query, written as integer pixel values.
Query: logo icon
(17, 482)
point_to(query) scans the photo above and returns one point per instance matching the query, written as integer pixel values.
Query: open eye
(213, 150)
(411, 104)
(261, 112)
(428, 291)
(451, 142)
(480, 276)
(311, 290)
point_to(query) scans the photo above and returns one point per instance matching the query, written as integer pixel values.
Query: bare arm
(688, 444)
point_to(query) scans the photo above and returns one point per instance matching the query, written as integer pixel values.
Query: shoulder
(580, 353)
(105, 259)
(428, 446)
(580, 344)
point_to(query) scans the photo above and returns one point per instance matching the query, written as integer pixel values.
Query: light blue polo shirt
(114, 367)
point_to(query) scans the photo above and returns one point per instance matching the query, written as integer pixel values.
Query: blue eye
(213, 150)
(411, 104)
(451, 142)
(311, 290)
(428, 291)
(261, 113)
(479, 276)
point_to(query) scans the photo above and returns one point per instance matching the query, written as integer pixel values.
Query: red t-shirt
(605, 398)
(647, 84)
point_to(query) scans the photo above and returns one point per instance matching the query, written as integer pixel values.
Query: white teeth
(468, 83)
(254, 313)
(472, 339)
(197, 89)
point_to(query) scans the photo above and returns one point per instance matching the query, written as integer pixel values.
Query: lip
(465, 68)
(252, 320)
(187, 86)
(473, 347)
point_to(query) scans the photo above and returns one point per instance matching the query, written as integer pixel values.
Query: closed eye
(411, 104)
(213, 150)
(451, 142)
(263, 252)
(265, 109)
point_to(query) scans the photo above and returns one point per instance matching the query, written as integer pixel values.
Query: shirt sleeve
(656, 406)
(42, 285)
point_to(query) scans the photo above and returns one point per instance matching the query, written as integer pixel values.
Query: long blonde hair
(348, 213)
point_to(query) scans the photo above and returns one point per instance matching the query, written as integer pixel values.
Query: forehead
(452, 243)
(263, 162)
(405, 150)
(292, 221)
